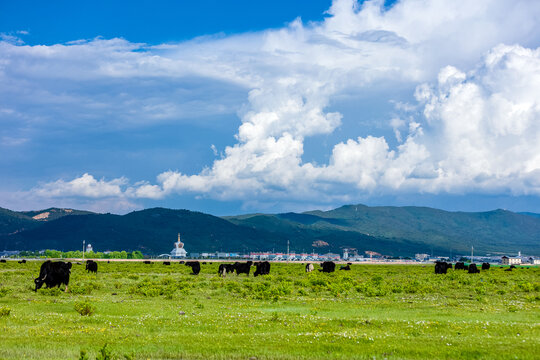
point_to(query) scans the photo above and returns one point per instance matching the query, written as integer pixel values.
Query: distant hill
(428, 229)
(530, 214)
(152, 231)
(387, 230)
(12, 222)
(491, 231)
(53, 213)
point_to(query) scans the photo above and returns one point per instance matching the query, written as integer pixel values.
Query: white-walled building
(505, 260)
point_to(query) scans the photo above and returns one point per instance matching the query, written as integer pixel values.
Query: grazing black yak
(195, 267)
(242, 268)
(263, 268)
(473, 269)
(441, 267)
(91, 266)
(53, 274)
(225, 269)
(328, 267)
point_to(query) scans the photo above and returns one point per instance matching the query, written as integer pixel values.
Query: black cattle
(182, 262)
(166, 263)
(309, 267)
(204, 262)
(510, 268)
(242, 268)
(22, 261)
(328, 267)
(441, 267)
(147, 262)
(225, 269)
(485, 266)
(473, 269)
(343, 267)
(460, 266)
(195, 267)
(263, 268)
(91, 266)
(53, 274)
(2, 260)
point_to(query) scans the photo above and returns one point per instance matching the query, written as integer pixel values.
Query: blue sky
(243, 106)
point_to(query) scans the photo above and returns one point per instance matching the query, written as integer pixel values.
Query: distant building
(421, 257)
(178, 251)
(89, 248)
(505, 260)
(534, 261)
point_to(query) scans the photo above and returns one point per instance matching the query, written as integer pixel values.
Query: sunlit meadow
(130, 310)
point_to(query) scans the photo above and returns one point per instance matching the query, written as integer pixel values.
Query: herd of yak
(57, 273)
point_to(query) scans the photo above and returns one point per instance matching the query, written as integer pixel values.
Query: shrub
(51, 291)
(83, 355)
(526, 286)
(81, 289)
(4, 311)
(104, 353)
(84, 308)
(3, 291)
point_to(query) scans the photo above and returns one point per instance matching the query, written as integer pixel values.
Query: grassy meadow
(135, 311)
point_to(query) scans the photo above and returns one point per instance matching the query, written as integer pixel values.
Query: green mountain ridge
(387, 230)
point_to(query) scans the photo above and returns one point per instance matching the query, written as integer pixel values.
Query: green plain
(371, 312)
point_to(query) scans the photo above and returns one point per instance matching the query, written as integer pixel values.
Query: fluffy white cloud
(86, 185)
(478, 129)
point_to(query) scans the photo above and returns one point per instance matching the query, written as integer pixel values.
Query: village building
(505, 260)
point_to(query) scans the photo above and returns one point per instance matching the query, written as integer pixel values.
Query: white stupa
(178, 251)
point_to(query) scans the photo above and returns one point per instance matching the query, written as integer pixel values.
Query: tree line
(56, 254)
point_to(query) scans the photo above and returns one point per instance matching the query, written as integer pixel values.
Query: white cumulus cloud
(478, 129)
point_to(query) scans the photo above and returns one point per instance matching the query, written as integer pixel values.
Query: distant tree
(53, 254)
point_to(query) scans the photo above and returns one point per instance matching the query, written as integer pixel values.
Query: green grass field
(371, 312)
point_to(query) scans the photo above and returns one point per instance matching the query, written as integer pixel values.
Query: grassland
(371, 312)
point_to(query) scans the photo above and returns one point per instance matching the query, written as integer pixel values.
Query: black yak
(225, 269)
(195, 267)
(53, 274)
(328, 267)
(473, 269)
(263, 268)
(91, 266)
(242, 268)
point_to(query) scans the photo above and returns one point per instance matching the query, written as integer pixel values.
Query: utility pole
(472, 254)
(83, 247)
(287, 251)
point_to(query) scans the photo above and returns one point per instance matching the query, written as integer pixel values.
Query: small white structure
(505, 260)
(421, 257)
(89, 248)
(178, 251)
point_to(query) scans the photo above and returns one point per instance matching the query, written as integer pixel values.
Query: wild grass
(371, 312)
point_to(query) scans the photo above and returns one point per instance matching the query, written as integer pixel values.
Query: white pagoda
(178, 251)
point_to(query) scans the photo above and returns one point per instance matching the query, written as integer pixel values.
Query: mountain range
(395, 231)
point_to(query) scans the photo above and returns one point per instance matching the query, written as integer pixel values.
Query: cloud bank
(474, 127)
